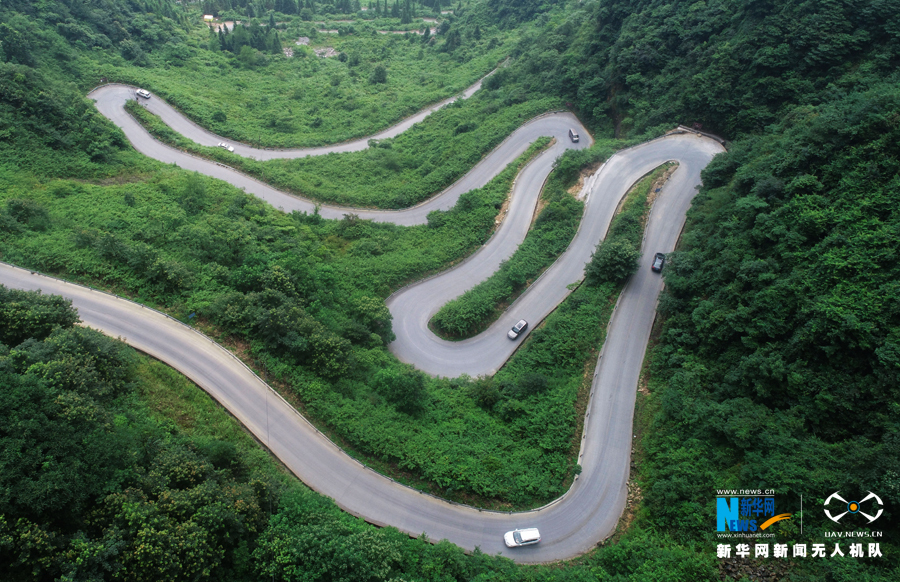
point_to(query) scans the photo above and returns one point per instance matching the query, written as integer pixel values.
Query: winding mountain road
(589, 511)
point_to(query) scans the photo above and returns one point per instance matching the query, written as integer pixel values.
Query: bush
(403, 386)
(613, 262)
(379, 75)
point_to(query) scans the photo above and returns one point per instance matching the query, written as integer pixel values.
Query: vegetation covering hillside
(777, 362)
(99, 483)
(776, 365)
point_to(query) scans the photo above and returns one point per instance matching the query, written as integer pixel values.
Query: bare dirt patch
(504, 208)
(227, 25)
(539, 207)
(326, 52)
(542, 202)
(585, 173)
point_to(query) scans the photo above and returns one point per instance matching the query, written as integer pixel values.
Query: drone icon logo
(854, 507)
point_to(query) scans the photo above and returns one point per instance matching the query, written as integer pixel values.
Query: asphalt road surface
(569, 526)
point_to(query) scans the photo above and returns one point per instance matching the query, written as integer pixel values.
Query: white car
(143, 93)
(522, 537)
(517, 329)
(225, 146)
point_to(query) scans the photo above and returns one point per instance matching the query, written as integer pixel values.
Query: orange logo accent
(774, 519)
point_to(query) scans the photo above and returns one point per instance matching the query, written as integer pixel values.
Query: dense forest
(776, 362)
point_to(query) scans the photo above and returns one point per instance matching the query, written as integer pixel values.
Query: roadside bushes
(475, 310)
(87, 473)
(28, 213)
(285, 328)
(615, 260)
(403, 386)
(48, 126)
(26, 314)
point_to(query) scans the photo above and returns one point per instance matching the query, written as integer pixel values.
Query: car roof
(529, 534)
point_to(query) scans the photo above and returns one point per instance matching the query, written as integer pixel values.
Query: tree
(406, 13)
(251, 57)
(379, 75)
(28, 213)
(15, 46)
(613, 261)
(193, 196)
(58, 439)
(403, 386)
(131, 51)
(30, 314)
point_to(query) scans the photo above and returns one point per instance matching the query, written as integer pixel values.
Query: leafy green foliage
(284, 284)
(52, 121)
(403, 386)
(57, 453)
(26, 315)
(780, 348)
(780, 358)
(734, 67)
(89, 488)
(510, 12)
(186, 494)
(614, 261)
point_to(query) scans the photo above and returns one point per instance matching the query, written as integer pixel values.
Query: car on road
(573, 135)
(658, 261)
(143, 93)
(522, 537)
(517, 329)
(225, 146)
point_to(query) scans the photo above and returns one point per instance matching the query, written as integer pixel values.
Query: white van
(146, 95)
(573, 136)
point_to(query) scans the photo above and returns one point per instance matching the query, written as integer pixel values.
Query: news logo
(746, 513)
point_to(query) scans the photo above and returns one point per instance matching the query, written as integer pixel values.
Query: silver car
(517, 329)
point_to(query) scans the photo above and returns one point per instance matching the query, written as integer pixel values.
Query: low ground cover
(268, 99)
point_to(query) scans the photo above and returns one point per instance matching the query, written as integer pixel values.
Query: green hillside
(775, 363)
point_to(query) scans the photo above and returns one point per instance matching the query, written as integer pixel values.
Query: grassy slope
(308, 100)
